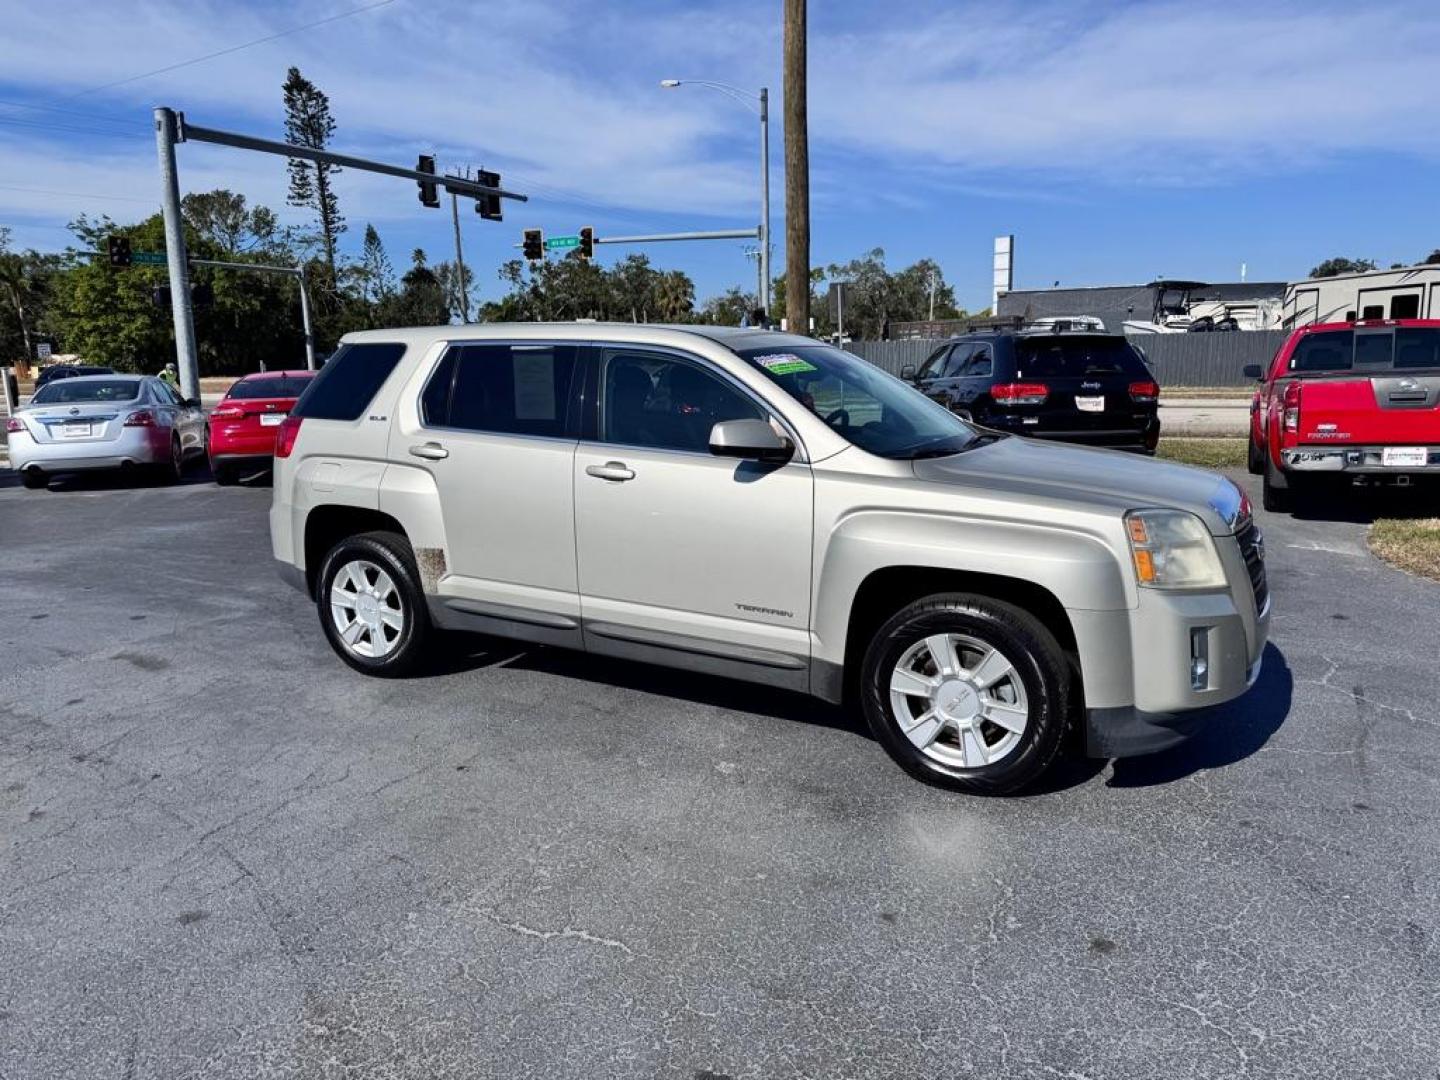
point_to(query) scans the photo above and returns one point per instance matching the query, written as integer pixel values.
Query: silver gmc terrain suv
(761, 506)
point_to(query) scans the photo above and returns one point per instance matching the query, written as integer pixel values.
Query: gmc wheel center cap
(957, 700)
(368, 608)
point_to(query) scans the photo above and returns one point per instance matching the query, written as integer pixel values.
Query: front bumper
(1127, 731)
(1143, 688)
(1356, 460)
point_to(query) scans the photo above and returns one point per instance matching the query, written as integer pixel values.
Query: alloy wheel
(366, 609)
(960, 701)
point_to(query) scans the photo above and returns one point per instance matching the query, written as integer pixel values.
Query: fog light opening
(1199, 658)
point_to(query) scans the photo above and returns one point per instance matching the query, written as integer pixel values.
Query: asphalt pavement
(225, 854)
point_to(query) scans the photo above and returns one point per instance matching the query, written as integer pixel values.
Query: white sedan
(105, 422)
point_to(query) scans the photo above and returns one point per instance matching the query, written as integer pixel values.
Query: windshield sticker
(784, 364)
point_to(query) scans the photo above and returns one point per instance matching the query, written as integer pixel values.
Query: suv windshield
(73, 391)
(875, 411)
(277, 386)
(1064, 357)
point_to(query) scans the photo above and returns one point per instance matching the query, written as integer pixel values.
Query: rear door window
(349, 381)
(504, 389)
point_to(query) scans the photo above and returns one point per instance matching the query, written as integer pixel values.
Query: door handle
(611, 470)
(431, 451)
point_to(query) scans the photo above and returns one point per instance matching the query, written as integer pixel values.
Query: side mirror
(908, 373)
(1254, 371)
(752, 439)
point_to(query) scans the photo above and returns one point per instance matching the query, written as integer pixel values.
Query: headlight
(1172, 549)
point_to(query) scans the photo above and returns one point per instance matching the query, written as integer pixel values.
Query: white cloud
(999, 98)
(1172, 92)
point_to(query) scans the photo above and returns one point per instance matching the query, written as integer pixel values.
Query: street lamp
(749, 100)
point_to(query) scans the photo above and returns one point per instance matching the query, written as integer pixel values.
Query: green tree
(421, 300)
(1335, 267)
(308, 123)
(675, 296)
(25, 287)
(1433, 258)
(730, 308)
(373, 276)
(223, 218)
(459, 289)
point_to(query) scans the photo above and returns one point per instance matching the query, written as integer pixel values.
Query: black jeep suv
(1051, 383)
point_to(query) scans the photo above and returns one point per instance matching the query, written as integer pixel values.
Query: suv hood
(1083, 475)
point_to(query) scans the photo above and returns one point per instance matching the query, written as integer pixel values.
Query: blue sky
(1117, 140)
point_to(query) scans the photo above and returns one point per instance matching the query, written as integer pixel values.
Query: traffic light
(119, 251)
(160, 297)
(429, 192)
(488, 206)
(202, 294)
(587, 242)
(534, 245)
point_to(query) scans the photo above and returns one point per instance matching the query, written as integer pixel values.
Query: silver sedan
(105, 422)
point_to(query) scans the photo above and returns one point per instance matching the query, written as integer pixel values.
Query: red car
(243, 426)
(1353, 401)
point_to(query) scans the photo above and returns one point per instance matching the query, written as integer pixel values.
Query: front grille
(1252, 550)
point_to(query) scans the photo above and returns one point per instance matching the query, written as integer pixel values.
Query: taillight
(141, 418)
(1292, 407)
(1144, 392)
(1020, 393)
(227, 412)
(14, 424)
(285, 436)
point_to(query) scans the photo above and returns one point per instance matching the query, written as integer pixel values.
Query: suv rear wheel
(371, 605)
(968, 693)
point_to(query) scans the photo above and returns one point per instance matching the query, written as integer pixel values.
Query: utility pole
(764, 294)
(797, 173)
(932, 295)
(460, 258)
(185, 353)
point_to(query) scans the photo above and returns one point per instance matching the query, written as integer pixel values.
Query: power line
(227, 52)
(99, 117)
(46, 126)
(77, 194)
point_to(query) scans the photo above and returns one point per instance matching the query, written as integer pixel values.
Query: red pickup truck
(1356, 401)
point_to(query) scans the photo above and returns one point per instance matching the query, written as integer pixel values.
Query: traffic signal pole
(186, 356)
(171, 128)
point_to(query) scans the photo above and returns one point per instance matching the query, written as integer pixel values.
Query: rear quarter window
(349, 381)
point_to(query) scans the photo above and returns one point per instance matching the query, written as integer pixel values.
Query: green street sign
(148, 258)
(560, 243)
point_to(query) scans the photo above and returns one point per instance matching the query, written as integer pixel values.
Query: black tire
(34, 479)
(1255, 459)
(225, 475)
(171, 471)
(1277, 494)
(1038, 662)
(391, 553)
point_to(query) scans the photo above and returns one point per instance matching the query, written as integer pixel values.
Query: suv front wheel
(967, 692)
(371, 604)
